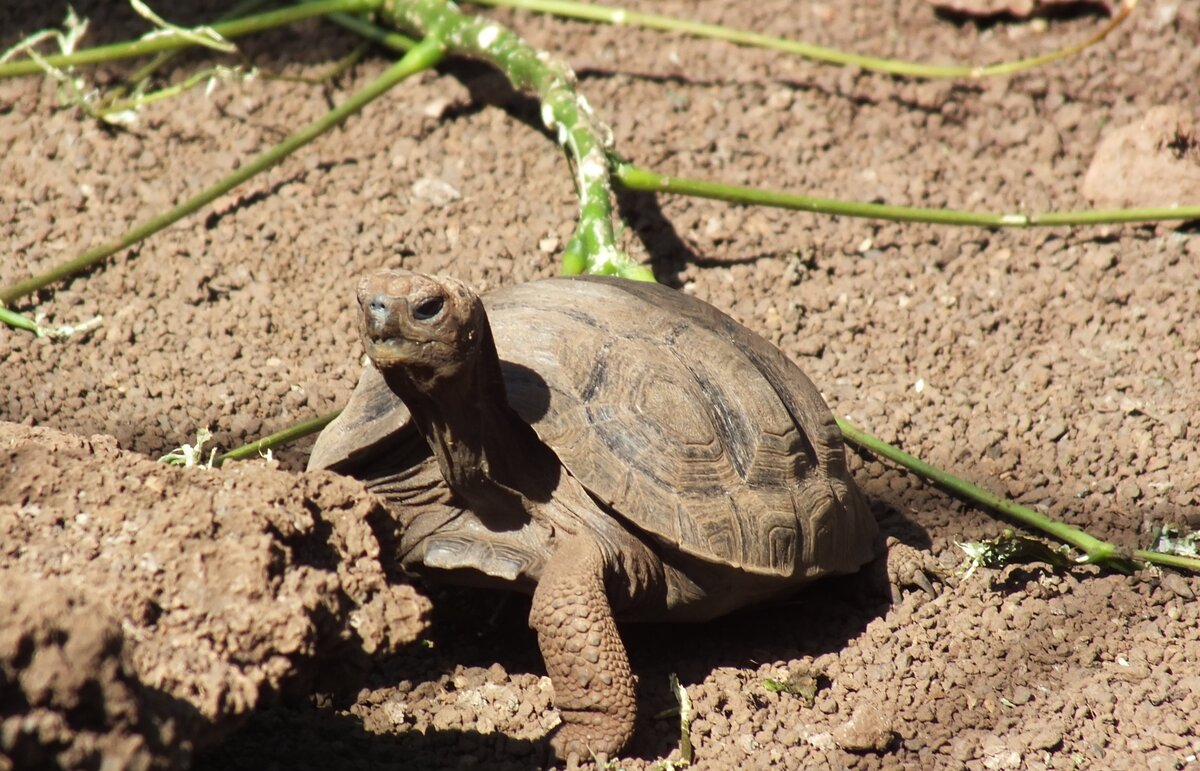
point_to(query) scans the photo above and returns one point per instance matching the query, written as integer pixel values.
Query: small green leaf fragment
(1170, 539)
(637, 273)
(1008, 548)
(685, 720)
(802, 682)
(192, 455)
(16, 320)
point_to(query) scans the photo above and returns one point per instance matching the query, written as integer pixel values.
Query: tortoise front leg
(586, 661)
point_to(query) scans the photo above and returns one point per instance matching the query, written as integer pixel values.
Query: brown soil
(243, 618)
(147, 608)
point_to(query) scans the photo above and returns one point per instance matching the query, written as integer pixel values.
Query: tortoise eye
(427, 309)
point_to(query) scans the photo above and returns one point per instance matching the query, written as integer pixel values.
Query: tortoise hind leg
(586, 661)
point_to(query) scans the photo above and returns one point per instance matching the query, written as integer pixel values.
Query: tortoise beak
(380, 313)
(383, 311)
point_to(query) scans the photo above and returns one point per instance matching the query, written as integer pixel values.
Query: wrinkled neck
(480, 443)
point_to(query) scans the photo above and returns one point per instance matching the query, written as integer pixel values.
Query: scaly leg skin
(909, 567)
(586, 661)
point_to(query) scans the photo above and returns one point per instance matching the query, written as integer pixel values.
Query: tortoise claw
(597, 762)
(908, 567)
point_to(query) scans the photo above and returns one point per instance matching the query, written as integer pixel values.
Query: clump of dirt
(70, 696)
(151, 607)
(1152, 162)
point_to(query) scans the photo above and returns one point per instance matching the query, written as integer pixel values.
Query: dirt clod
(1153, 162)
(867, 730)
(152, 607)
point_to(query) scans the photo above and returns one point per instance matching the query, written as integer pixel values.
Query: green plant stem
(147, 70)
(635, 178)
(593, 247)
(368, 31)
(117, 105)
(166, 42)
(423, 56)
(1177, 561)
(17, 321)
(1097, 551)
(289, 434)
(619, 16)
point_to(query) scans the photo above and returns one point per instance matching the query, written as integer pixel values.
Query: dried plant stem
(147, 70)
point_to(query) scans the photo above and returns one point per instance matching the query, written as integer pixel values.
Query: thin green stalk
(1097, 551)
(588, 142)
(114, 109)
(289, 434)
(17, 321)
(623, 16)
(1177, 561)
(166, 42)
(147, 70)
(422, 57)
(636, 178)
(368, 31)
(114, 100)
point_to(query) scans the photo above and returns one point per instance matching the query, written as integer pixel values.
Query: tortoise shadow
(821, 618)
(303, 737)
(482, 628)
(528, 392)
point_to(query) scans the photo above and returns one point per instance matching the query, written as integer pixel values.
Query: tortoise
(618, 449)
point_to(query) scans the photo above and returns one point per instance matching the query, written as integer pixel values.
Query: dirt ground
(247, 617)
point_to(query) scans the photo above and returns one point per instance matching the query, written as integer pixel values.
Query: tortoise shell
(683, 423)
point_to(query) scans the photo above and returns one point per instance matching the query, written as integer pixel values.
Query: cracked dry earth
(153, 617)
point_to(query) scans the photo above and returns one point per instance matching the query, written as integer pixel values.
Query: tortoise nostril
(378, 304)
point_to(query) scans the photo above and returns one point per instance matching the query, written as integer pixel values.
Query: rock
(867, 730)
(1019, 9)
(1154, 162)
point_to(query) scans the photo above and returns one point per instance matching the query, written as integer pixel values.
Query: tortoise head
(424, 327)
